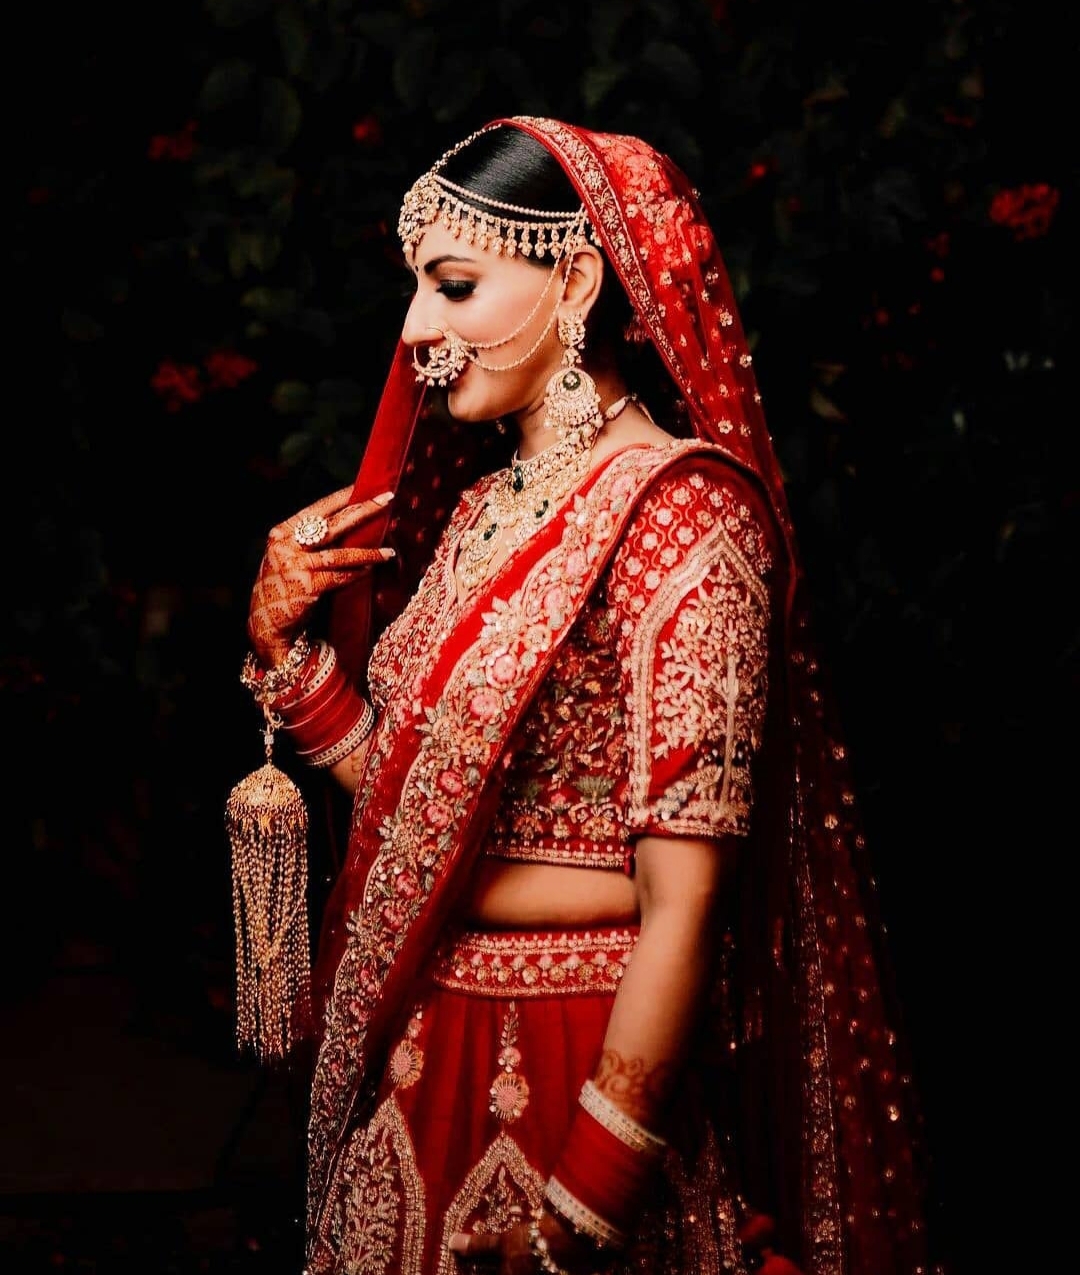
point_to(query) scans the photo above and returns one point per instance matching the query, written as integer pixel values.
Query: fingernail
(384, 498)
(459, 1242)
(388, 553)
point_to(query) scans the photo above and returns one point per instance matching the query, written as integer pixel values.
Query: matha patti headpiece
(433, 197)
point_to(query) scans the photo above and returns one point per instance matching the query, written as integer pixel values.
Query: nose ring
(442, 363)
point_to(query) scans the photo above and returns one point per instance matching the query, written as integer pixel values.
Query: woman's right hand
(293, 576)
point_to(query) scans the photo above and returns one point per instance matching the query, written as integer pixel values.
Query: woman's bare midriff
(511, 896)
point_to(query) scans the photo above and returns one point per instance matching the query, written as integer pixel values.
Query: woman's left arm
(682, 886)
(691, 589)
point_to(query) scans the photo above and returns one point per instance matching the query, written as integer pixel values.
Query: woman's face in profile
(485, 297)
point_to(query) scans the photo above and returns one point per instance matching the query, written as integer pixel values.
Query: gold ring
(312, 530)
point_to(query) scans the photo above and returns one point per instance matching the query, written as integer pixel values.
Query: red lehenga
(640, 664)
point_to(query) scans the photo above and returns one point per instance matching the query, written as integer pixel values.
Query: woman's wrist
(604, 1172)
(308, 694)
(271, 682)
(272, 654)
(325, 715)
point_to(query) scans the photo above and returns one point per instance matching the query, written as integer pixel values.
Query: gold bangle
(315, 680)
(581, 1218)
(267, 684)
(616, 1121)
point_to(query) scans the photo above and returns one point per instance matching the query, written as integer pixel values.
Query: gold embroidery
(407, 1061)
(561, 803)
(697, 657)
(459, 735)
(509, 1091)
(821, 1119)
(500, 1190)
(557, 964)
(379, 1220)
(688, 1227)
(402, 649)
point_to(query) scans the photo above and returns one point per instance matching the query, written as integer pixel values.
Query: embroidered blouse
(653, 708)
(654, 705)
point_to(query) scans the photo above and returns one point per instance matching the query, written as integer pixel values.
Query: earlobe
(585, 276)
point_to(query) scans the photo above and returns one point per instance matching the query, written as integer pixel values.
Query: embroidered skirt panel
(475, 1102)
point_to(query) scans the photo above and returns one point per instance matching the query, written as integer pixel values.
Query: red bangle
(353, 737)
(316, 729)
(328, 730)
(314, 687)
(604, 1171)
(325, 715)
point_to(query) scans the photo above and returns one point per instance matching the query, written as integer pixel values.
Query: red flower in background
(177, 384)
(1026, 210)
(180, 145)
(368, 131)
(181, 383)
(759, 170)
(227, 368)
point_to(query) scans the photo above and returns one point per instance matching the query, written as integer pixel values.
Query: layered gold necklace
(523, 499)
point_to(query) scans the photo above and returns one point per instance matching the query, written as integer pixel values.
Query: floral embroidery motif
(378, 1224)
(418, 821)
(509, 1091)
(561, 803)
(695, 644)
(509, 1096)
(500, 1190)
(401, 648)
(407, 1061)
(406, 1064)
(557, 964)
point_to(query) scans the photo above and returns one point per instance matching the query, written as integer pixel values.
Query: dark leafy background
(204, 293)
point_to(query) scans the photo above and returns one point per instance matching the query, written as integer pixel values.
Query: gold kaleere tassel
(267, 823)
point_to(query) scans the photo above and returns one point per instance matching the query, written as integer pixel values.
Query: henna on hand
(292, 578)
(634, 1086)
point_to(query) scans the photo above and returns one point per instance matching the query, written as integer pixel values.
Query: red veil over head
(815, 1089)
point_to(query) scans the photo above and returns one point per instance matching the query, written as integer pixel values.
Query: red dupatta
(830, 1131)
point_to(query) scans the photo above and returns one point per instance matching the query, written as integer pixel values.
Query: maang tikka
(571, 401)
(495, 226)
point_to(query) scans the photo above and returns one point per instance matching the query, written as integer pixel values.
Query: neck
(534, 437)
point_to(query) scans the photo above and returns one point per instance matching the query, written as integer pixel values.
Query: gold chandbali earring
(532, 490)
(571, 402)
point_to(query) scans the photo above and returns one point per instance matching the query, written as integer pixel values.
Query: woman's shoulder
(662, 467)
(692, 495)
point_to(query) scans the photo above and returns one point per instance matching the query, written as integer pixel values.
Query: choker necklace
(524, 498)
